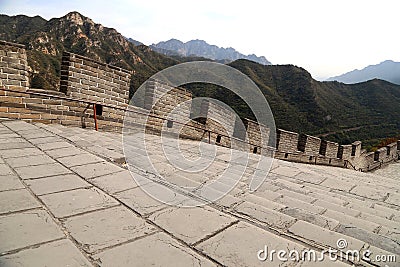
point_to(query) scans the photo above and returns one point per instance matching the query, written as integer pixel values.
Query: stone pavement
(67, 199)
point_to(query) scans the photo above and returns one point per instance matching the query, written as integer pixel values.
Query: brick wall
(84, 78)
(308, 144)
(257, 134)
(286, 141)
(329, 149)
(13, 66)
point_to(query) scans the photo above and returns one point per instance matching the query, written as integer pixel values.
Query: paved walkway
(67, 199)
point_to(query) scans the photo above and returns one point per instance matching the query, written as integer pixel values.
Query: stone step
(265, 215)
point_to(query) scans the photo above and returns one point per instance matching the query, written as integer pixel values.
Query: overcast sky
(326, 37)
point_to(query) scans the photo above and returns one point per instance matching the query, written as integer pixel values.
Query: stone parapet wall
(84, 78)
(287, 141)
(308, 144)
(257, 134)
(14, 70)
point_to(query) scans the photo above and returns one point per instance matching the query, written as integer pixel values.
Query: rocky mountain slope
(201, 48)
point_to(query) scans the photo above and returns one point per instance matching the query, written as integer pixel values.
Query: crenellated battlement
(92, 91)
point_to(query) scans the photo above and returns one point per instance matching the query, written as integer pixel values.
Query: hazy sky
(326, 37)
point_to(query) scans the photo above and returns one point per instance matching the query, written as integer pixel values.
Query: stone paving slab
(141, 202)
(9, 135)
(61, 253)
(57, 183)
(54, 145)
(93, 170)
(17, 200)
(106, 228)
(29, 161)
(393, 199)
(81, 159)
(11, 140)
(13, 145)
(191, 224)
(64, 152)
(28, 228)
(20, 152)
(44, 170)
(286, 171)
(115, 182)
(369, 192)
(77, 201)
(43, 140)
(155, 250)
(239, 244)
(323, 236)
(19, 125)
(334, 207)
(352, 221)
(9, 182)
(310, 177)
(370, 238)
(32, 134)
(339, 185)
(294, 203)
(5, 170)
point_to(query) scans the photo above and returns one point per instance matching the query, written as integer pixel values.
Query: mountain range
(367, 111)
(387, 70)
(200, 48)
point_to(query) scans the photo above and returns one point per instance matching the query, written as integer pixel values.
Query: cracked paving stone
(77, 201)
(45, 170)
(57, 183)
(115, 182)
(191, 224)
(105, 228)
(89, 171)
(28, 228)
(17, 200)
(144, 204)
(239, 244)
(63, 252)
(155, 250)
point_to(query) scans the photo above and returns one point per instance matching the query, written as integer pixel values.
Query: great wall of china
(90, 89)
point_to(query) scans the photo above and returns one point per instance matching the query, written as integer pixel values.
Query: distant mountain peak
(387, 70)
(201, 48)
